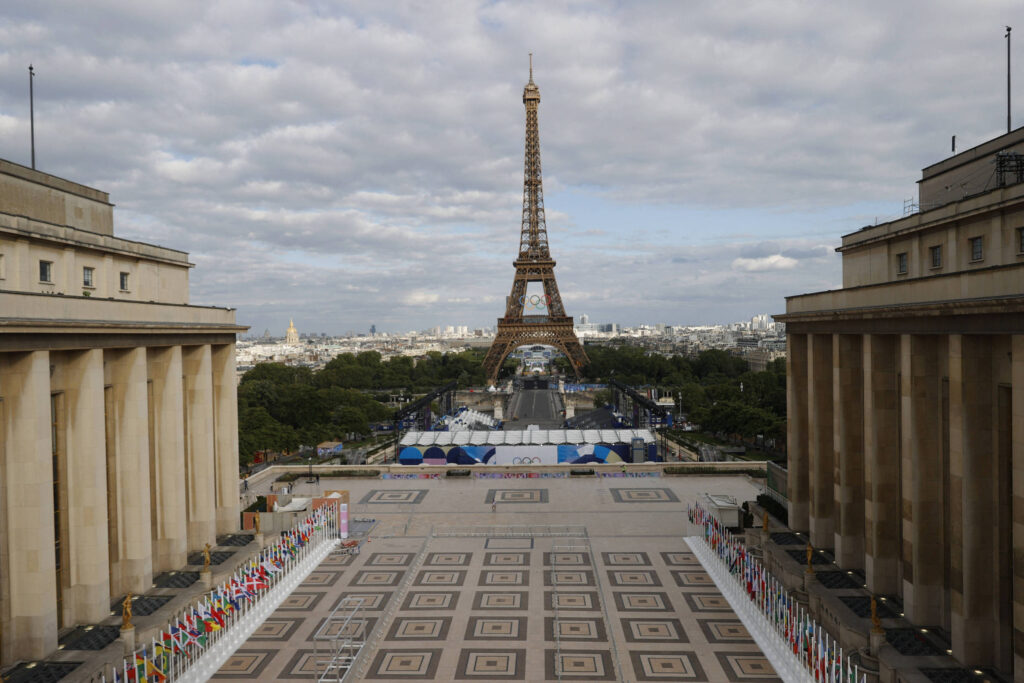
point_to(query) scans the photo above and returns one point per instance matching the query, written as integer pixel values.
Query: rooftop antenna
(1008, 29)
(32, 113)
(531, 67)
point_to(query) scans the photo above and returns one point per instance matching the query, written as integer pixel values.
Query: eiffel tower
(546, 322)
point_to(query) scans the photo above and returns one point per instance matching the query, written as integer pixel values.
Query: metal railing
(776, 483)
(604, 612)
(343, 635)
(556, 625)
(362, 659)
(511, 531)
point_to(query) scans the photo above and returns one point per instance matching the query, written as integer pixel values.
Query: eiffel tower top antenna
(533, 239)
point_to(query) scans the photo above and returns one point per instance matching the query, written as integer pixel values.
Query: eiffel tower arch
(535, 318)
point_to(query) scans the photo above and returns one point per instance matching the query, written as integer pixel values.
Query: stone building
(118, 414)
(906, 406)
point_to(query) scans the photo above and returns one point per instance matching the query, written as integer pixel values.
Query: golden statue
(764, 522)
(876, 623)
(206, 558)
(126, 612)
(256, 522)
(810, 554)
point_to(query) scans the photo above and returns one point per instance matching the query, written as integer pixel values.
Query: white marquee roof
(537, 437)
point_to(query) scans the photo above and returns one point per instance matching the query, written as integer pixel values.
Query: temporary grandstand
(469, 419)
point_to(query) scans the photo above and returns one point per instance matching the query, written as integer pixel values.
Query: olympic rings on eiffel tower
(535, 300)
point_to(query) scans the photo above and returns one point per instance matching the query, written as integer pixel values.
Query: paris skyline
(366, 167)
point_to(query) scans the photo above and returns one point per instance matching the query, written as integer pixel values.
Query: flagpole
(32, 113)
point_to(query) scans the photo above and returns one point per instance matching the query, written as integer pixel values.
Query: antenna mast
(1008, 29)
(32, 113)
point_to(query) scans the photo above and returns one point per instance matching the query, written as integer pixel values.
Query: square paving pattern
(517, 496)
(628, 602)
(644, 495)
(399, 497)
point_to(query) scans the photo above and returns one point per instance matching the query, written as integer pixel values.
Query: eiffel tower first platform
(545, 321)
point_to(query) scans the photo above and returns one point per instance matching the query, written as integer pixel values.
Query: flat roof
(532, 437)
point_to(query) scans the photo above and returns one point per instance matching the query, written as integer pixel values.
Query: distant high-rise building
(373, 330)
(584, 319)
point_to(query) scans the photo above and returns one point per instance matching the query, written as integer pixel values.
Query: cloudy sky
(357, 163)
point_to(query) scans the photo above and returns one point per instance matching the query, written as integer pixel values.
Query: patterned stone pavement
(637, 607)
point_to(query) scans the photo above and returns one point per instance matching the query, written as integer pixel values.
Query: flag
(161, 658)
(254, 583)
(153, 670)
(209, 621)
(170, 640)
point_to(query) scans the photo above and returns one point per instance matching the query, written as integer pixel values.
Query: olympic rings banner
(525, 455)
(535, 302)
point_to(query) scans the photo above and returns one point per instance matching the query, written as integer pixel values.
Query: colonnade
(114, 465)
(906, 456)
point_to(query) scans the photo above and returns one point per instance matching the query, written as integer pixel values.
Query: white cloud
(773, 262)
(419, 298)
(327, 160)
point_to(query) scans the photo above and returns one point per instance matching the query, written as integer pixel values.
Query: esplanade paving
(633, 603)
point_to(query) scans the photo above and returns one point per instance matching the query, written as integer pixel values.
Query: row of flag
(801, 634)
(188, 636)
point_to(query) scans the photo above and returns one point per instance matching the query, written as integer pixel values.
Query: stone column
(87, 596)
(201, 492)
(848, 428)
(797, 435)
(28, 504)
(134, 542)
(882, 464)
(972, 504)
(167, 459)
(822, 448)
(1017, 500)
(924, 545)
(225, 429)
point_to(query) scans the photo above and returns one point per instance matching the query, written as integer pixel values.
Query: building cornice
(963, 210)
(24, 227)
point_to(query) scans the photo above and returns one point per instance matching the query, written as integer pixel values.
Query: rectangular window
(977, 251)
(124, 282)
(1, 266)
(87, 276)
(1020, 248)
(46, 271)
(936, 254)
(901, 263)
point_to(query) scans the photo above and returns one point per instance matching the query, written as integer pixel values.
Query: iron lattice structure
(550, 325)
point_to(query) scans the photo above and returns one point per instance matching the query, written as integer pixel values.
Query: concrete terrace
(637, 607)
